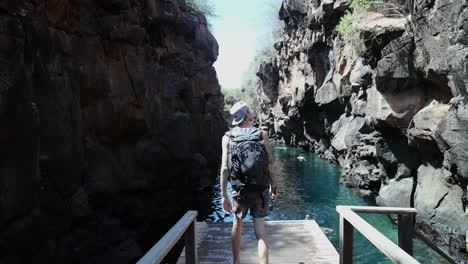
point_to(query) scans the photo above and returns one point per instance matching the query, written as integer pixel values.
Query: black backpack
(247, 160)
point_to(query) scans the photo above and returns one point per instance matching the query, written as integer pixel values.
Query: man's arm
(271, 165)
(227, 207)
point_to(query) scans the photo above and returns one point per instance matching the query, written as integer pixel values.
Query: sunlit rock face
(390, 116)
(435, 199)
(111, 117)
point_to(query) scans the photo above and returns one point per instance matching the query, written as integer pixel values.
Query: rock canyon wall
(395, 118)
(111, 118)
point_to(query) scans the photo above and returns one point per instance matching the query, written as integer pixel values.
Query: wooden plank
(346, 241)
(299, 241)
(380, 210)
(405, 233)
(319, 235)
(191, 256)
(385, 245)
(157, 253)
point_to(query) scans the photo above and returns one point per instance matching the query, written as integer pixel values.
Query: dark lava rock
(111, 118)
(453, 139)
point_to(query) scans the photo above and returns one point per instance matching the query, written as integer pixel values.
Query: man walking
(247, 163)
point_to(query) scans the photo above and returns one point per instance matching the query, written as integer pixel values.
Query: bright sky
(241, 26)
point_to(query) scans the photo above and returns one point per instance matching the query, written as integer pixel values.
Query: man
(246, 199)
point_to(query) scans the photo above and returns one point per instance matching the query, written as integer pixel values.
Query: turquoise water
(311, 187)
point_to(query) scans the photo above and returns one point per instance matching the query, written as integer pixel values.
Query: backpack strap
(229, 135)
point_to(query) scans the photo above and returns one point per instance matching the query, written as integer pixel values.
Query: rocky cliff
(111, 117)
(395, 116)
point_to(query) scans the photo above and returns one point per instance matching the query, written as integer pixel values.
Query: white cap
(239, 111)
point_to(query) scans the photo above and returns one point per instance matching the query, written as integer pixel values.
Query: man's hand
(227, 206)
(273, 195)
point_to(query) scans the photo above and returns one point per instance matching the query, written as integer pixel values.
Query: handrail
(380, 210)
(397, 254)
(185, 226)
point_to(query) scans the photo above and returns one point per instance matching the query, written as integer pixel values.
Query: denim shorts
(255, 202)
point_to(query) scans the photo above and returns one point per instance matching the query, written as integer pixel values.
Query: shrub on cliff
(349, 28)
(350, 24)
(358, 5)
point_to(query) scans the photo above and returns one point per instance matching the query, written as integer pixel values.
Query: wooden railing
(397, 254)
(186, 227)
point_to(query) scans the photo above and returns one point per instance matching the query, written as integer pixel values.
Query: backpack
(247, 159)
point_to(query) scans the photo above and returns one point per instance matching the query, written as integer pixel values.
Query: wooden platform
(298, 242)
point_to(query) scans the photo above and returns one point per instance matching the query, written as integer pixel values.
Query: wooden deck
(298, 242)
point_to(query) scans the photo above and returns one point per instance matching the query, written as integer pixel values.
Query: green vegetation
(359, 5)
(349, 28)
(351, 23)
(237, 95)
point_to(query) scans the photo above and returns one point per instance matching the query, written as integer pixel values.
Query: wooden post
(191, 256)
(346, 241)
(157, 253)
(405, 232)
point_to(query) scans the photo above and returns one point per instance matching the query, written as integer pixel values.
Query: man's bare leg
(236, 235)
(259, 226)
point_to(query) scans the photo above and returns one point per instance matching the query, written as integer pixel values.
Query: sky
(241, 27)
